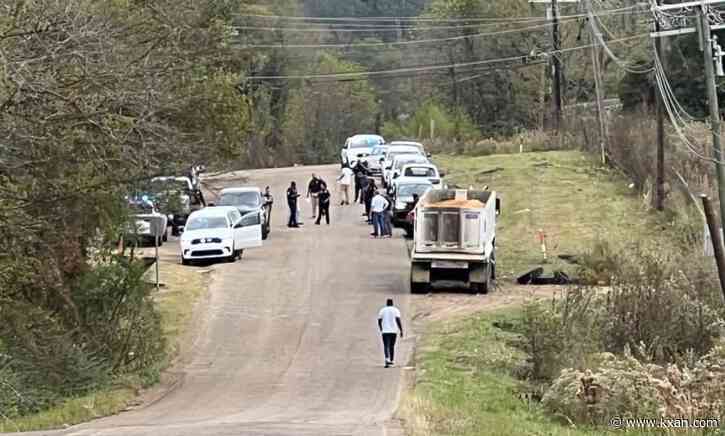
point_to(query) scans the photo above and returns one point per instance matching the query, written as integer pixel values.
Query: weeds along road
(288, 343)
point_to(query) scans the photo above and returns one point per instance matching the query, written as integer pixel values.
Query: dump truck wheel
(418, 288)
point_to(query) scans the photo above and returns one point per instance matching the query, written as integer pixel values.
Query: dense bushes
(47, 356)
(610, 351)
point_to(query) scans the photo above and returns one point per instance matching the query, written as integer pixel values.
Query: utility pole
(717, 246)
(556, 57)
(660, 177)
(707, 43)
(597, 83)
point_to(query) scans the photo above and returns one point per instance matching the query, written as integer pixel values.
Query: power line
(412, 42)
(362, 28)
(419, 18)
(427, 68)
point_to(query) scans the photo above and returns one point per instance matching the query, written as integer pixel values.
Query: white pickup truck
(455, 239)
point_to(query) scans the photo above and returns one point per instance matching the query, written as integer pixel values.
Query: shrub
(629, 388)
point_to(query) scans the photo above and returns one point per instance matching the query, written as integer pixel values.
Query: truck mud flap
(478, 273)
(420, 272)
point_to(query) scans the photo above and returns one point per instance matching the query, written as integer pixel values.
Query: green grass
(466, 382)
(184, 286)
(564, 193)
(465, 386)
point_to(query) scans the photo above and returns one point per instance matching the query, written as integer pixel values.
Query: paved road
(289, 343)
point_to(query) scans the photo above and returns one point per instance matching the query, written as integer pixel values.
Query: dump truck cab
(455, 239)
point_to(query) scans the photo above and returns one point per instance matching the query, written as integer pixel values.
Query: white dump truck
(455, 239)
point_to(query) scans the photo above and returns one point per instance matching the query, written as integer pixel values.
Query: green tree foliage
(95, 96)
(448, 126)
(322, 115)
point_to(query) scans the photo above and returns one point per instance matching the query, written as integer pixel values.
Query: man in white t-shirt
(389, 323)
(345, 180)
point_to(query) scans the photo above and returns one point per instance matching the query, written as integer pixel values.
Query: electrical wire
(421, 18)
(394, 43)
(431, 67)
(593, 20)
(332, 27)
(676, 119)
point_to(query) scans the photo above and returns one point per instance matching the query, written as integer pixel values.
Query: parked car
(248, 200)
(425, 170)
(410, 144)
(396, 150)
(219, 233)
(405, 189)
(358, 147)
(145, 217)
(177, 198)
(373, 160)
(398, 162)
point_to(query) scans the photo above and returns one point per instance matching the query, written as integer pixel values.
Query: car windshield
(379, 151)
(206, 222)
(365, 141)
(420, 172)
(141, 208)
(392, 154)
(402, 162)
(246, 199)
(409, 190)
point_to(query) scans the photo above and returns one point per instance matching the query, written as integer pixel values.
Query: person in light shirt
(389, 324)
(377, 208)
(345, 180)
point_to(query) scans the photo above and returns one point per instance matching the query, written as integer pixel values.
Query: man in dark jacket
(313, 191)
(292, 196)
(361, 174)
(370, 190)
(324, 202)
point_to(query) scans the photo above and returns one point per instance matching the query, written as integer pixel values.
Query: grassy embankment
(465, 383)
(183, 287)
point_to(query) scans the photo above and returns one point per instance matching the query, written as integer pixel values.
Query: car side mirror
(210, 205)
(442, 174)
(396, 175)
(428, 155)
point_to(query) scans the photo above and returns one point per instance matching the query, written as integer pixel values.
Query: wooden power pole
(556, 63)
(660, 176)
(714, 106)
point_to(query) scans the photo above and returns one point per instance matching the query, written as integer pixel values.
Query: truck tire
(165, 236)
(483, 288)
(265, 232)
(419, 288)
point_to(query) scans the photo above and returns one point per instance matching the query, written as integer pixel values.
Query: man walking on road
(389, 324)
(313, 192)
(324, 200)
(377, 208)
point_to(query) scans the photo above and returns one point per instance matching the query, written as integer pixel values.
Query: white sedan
(219, 232)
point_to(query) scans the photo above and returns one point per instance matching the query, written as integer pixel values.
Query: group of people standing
(378, 205)
(319, 197)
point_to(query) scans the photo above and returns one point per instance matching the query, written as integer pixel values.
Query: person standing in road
(361, 176)
(345, 180)
(292, 196)
(370, 190)
(388, 218)
(268, 202)
(389, 324)
(324, 201)
(377, 208)
(313, 192)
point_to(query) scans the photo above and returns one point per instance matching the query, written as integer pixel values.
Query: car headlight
(251, 219)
